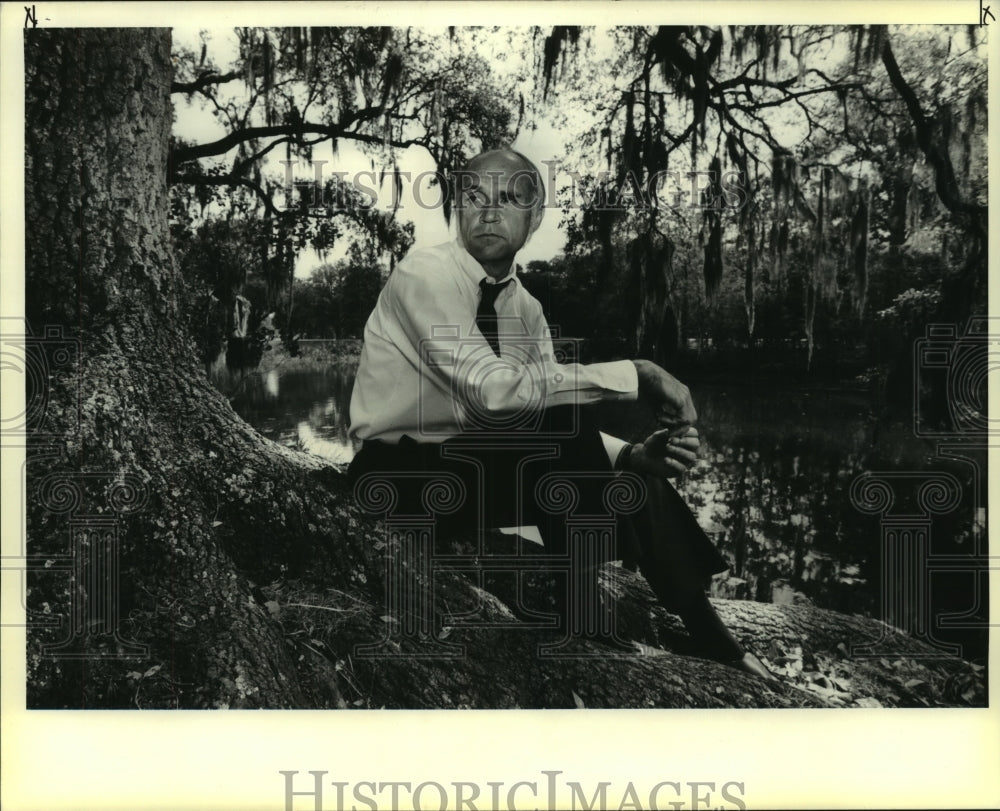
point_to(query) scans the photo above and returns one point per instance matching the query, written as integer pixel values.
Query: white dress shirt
(427, 371)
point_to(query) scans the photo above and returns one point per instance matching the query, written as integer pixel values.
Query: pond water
(307, 410)
(772, 487)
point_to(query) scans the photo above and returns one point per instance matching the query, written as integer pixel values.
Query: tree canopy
(384, 89)
(813, 144)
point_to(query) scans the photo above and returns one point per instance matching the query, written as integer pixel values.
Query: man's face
(495, 197)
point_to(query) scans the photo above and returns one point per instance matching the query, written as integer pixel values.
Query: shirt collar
(475, 271)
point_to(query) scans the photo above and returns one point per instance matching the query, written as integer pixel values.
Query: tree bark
(221, 507)
(192, 563)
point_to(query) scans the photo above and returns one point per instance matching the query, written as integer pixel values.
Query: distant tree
(216, 259)
(315, 313)
(336, 300)
(810, 136)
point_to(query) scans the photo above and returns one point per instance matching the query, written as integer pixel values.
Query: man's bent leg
(677, 560)
(553, 475)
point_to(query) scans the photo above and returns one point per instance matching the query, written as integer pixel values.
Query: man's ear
(537, 214)
(456, 224)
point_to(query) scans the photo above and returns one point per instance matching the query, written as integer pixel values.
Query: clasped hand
(667, 453)
(673, 449)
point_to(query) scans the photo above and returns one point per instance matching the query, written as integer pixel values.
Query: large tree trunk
(195, 564)
(218, 506)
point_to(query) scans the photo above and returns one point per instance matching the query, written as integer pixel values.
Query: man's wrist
(624, 455)
(642, 372)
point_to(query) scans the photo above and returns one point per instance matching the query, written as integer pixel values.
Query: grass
(312, 358)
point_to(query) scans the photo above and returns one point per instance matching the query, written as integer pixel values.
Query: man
(458, 374)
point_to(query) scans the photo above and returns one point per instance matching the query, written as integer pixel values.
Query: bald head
(509, 159)
(525, 187)
(500, 201)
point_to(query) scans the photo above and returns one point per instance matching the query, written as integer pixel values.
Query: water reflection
(306, 410)
(772, 487)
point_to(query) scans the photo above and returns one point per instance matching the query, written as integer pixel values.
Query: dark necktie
(486, 315)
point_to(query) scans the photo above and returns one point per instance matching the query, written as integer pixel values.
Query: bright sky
(195, 122)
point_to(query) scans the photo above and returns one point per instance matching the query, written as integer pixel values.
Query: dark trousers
(505, 475)
(501, 472)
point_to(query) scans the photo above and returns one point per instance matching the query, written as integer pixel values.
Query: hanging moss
(629, 146)
(713, 259)
(782, 246)
(712, 222)
(859, 251)
(634, 258)
(268, 64)
(810, 316)
(748, 291)
(562, 38)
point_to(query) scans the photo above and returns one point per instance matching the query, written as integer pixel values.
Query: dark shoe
(749, 663)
